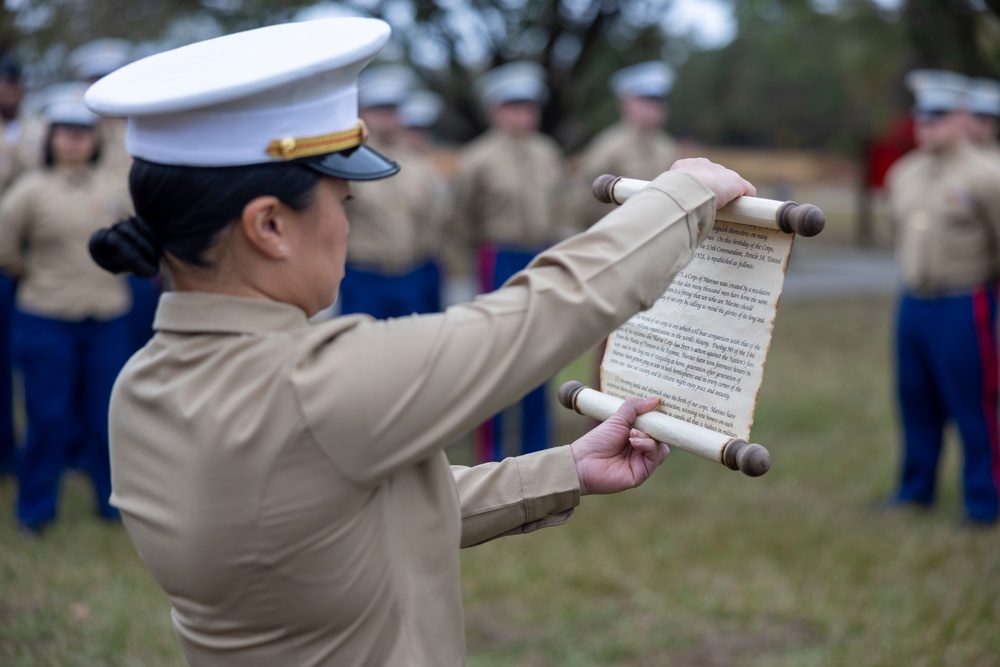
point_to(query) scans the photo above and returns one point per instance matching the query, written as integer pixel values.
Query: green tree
(794, 77)
(959, 35)
(800, 73)
(579, 42)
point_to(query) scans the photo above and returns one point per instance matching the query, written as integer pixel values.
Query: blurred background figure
(508, 202)
(23, 134)
(418, 115)
(944, 199)
(636, 146)
(20, 149)
(61, 91)
(90, 62)
(396, 224)
(984, 106)
(70, 336)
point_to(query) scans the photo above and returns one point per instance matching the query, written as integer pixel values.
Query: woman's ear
(266, 226)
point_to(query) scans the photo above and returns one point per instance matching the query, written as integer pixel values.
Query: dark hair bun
(129, 246)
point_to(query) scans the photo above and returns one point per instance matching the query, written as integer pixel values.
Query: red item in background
(883, 151)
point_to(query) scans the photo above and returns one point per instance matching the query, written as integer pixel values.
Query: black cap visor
(361, 163)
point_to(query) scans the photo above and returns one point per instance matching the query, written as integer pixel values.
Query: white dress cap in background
(521, 81)
(421, 109)
(70, 112)
(39, 100)
(937, 90)
(385, 85)
(984, 97)
(270, 95)
(100, 57)
(650, 79)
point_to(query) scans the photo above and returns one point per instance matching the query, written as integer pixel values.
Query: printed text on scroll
(702, 346)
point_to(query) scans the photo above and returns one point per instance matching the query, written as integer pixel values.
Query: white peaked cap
(58, 92)
(650, 79)
(70, 112)
(514, 82)
(100, 57)
(385, 85)
(938, 90)
(421, 109)
(984, 97)
(275, 94)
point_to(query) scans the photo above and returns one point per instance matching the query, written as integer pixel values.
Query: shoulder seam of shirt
(293, 357)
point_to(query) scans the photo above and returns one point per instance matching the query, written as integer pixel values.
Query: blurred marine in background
(636, 146)
(90, 63)
(21, 139)
(418, 115)
(396, 224)
(70, 336)
(984, 106)
(509, 202)
(944, 199)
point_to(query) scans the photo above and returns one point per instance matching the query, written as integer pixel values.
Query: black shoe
(29, 533)
(893, 505)
(974, 523)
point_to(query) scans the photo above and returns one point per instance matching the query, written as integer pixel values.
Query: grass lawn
(701, 567)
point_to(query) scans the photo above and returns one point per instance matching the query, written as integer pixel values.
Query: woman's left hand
(614, 456)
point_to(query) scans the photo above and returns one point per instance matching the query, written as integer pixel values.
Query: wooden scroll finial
(604, 189)
(751, 460)
(801, 219)
(568, 392)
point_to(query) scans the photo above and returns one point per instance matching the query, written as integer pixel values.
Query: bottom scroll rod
(734, 453)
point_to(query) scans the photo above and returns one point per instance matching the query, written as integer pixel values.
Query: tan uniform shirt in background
(510, 191)
(115, 160)
(46, 219)
(620, 150)
(22, 147)
(397, 223)
(946, 210)
(286, 485)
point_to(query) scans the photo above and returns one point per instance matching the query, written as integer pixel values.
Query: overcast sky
(710, 23)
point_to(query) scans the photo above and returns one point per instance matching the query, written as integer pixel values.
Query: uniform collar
(511, 139)
(960, 148)
(80, 175)
(203, 312)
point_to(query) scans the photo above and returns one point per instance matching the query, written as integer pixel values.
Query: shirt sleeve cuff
(550, 482)
(517, 495)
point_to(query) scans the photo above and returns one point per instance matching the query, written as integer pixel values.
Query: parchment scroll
(703, 345)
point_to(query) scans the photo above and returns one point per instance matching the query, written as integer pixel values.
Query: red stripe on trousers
(486, 265)
(987, 337)
(484, 436)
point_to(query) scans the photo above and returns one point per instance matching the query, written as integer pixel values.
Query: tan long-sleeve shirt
(510, 191)
(946, 210)
(286, 484)
(21, 147)
(46, 220)
(397, 223)
(620, 150)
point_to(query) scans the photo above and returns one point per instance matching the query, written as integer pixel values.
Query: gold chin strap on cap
(290, 148)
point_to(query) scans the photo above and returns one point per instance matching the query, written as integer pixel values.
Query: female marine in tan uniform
(69, 332)
(286, 483)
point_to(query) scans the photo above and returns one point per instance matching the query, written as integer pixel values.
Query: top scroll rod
(785, 216)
